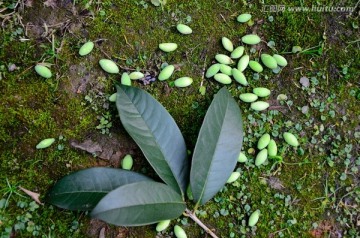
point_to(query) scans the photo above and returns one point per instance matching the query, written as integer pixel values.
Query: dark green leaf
(217, 148)
(82, 190)
(139, 204)
(156, 133)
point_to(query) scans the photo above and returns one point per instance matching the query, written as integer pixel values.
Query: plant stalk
(202, 225)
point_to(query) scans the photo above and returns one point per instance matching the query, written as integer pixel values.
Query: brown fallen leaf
(34, 196)
(28, 3)
(50, 3)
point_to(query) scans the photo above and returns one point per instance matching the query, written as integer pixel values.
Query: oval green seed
(162, 225)
(183, 82)
(189, 193)
(127, 162)
(222, 78)
(136, 75)
(86, 48)
(226, 69)
(166, 72)
(280, 60)
(269, 61)
(290, 139)
(242, 158)
(259, 105)
(109, 66)
(254, 65)
(243, 17)
(228, 45)
(243, 62)
(179, 232)
(43, 71)
(248, 97)
(254, 218)
(261, 157)
(272, 148)
(261, 92)
(239, 77)
(184, 29)
(125, 79)
(233, 177)
(263, 141)
(112, 97)
(45, 143)
(223, 59)
(251, 39)
(212, 70)
(168, 47)
(238, 52)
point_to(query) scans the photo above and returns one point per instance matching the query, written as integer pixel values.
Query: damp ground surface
(312, 192)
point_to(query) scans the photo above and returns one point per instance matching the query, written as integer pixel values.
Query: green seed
(242, 158)
(280, 60)
(254, 218)
(269, 61)
(162, 225)
(243, 62)
(248, 97)
(226, 69)
(212, 70)
(272, 148)
(261, 157)
(179, 232)
(45, 143)
(261, 92)
(223, 59)
(259, 105)
(109, 66)
(233, 177)
(263, 141)
(239, 77)
(112, 97)
(189, 193)
(281, 97)
(166, 72)
(222, 78)
(290, 139)
(296, 49)
(43, 71)
(251, 39)
(168, 47)
(127, 162)
(136, 75)
(243, 17)
(86, 48)
(254, 65)
(183, 82)
(125, 79)
(238, 52)
(184, 29)
(228, 45)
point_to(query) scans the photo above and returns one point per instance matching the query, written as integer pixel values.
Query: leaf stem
(202, 225)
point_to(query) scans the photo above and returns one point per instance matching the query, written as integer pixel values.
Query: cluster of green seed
(268, 147)
(224, 69)
(110, 66)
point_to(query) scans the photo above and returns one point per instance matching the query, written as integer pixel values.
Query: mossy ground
(313, 193)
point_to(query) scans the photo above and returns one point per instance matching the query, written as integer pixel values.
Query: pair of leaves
(117, 196)
(140, 201)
